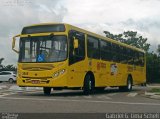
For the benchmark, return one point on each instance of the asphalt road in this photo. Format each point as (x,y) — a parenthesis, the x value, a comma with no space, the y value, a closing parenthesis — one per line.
(32,100)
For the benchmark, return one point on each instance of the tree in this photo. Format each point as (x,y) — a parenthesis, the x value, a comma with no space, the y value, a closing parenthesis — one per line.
(9,68)
(158,50)
(130,38)
(6,68)
(153,68)
(1,66)
(1,59)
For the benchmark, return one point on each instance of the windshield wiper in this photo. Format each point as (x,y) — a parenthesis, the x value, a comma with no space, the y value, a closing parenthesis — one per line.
(51,35)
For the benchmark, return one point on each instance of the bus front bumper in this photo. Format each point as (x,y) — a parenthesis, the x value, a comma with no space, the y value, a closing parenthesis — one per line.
(42,82)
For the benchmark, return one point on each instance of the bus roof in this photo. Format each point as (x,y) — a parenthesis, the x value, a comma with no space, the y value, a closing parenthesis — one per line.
(93,34)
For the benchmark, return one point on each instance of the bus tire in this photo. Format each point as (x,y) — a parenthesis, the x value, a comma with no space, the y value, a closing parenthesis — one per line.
(57,88)
(128,87)
(88,85)
(143,84)
(47,90)
(129,84)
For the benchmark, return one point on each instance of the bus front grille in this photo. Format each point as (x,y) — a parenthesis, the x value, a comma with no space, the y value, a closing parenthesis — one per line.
(37,67)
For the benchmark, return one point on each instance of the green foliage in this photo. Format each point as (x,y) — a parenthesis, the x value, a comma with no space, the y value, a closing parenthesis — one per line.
(9,68)
(1,59)
(153,68)
(130,38)
(158,50)
(1,66)
(155,90)
(6,68)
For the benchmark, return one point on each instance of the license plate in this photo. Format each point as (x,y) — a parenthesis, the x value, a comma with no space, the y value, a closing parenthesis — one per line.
(35,81)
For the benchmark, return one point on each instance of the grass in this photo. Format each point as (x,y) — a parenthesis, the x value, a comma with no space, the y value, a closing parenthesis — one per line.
(155,90)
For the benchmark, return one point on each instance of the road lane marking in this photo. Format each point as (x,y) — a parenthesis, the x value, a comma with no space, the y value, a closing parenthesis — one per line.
(74,97)
(83,101)
(3,86)
(6,94)
(132,94)
(103,97)
(87,97)
(112,94)
(108,98)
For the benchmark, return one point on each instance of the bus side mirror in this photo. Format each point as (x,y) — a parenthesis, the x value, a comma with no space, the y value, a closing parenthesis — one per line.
(13,43)
(75,43)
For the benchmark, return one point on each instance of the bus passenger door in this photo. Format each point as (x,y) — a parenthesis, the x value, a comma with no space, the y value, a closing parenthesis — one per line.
(76,58)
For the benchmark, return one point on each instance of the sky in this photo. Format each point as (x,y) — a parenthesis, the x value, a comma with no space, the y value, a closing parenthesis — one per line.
(115,16)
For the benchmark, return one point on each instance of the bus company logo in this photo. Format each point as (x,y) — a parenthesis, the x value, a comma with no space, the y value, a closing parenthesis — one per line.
(114,69)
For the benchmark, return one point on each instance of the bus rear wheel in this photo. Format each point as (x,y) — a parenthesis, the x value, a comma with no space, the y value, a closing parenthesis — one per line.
(129,84)
(128,87)
(88,87)
(47,90)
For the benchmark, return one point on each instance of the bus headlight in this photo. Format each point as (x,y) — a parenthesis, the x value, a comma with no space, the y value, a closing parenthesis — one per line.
(56,74)
(61,71)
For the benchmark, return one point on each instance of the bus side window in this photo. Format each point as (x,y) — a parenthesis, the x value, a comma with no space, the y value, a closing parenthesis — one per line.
(115,52)
(93,47)
(105,50)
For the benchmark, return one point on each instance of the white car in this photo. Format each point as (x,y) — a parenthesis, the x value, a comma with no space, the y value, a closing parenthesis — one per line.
(7,76)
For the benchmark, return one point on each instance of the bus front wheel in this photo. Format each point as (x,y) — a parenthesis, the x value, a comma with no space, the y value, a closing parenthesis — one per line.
(88,85)
(47,90)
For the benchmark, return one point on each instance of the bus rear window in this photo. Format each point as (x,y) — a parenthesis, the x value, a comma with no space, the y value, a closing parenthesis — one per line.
(43,29)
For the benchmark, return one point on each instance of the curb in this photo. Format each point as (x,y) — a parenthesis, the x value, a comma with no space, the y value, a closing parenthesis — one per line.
(155,97)
(152,95)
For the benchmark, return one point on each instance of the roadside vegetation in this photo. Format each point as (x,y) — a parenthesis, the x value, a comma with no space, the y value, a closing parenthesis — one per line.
(9,67)
(155,90)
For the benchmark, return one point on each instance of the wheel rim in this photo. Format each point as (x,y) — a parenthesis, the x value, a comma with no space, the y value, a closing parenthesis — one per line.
(90,85)
(10,80)
(129,84)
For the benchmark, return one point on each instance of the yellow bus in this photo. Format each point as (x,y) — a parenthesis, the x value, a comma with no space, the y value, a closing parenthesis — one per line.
(62,56)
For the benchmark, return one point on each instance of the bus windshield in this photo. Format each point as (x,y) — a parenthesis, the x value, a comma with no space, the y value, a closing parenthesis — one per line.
(43,49)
